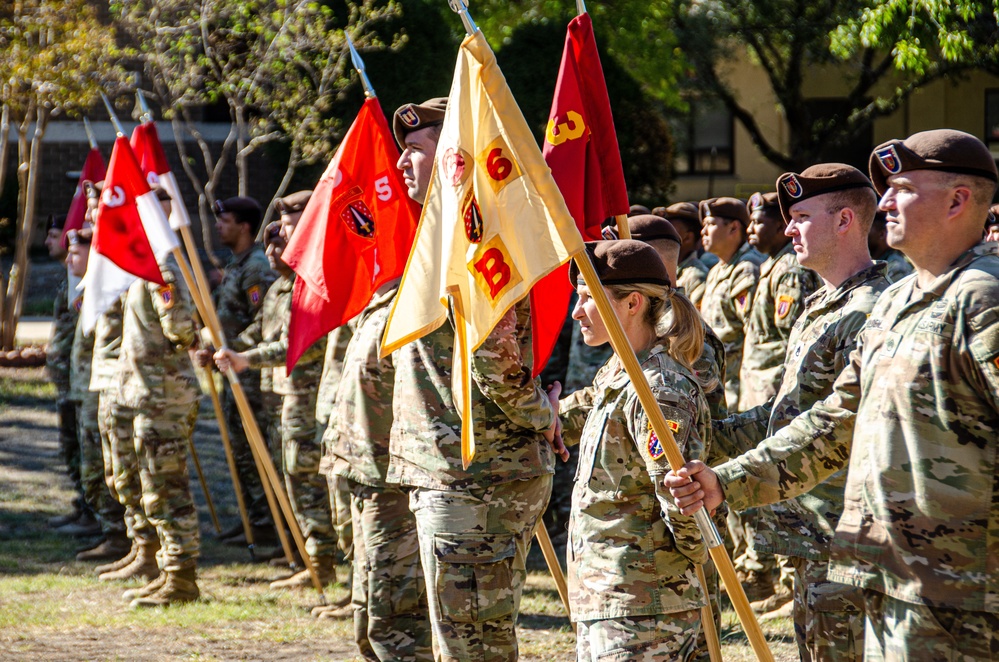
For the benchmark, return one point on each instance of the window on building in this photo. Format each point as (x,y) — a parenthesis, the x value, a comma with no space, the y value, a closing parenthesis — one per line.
(704,140)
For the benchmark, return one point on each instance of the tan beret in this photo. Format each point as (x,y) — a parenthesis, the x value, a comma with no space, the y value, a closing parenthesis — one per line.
(647,227)
(946,150)
(290,204)
(413,116)
(623,261)
(817,180)
(730,208)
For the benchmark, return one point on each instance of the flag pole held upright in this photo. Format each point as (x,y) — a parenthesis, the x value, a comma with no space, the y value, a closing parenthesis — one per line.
(625,353)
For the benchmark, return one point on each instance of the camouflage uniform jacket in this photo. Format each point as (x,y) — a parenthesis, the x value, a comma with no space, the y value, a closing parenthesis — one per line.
(728,294)
(819,348)
(691,276)
(240,295)
(359,429)
(921,511)
(58,353)
(510,411)
(81,359)
(157,330)
(898,266)
(630,551)
(107,347)
(265,343)
(337,342)
(780,297)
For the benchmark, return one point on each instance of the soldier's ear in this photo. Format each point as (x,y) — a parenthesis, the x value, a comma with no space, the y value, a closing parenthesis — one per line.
(845,219)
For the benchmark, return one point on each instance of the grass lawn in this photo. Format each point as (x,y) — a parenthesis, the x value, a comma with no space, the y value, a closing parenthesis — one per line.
(54,608)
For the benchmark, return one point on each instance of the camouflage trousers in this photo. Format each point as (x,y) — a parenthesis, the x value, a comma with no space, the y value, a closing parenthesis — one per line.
(249,478)
(473,546)
(93,473)
(343,524)
(162,433)
(900,631)
(121,466)
(743,527)
(660,638)
(828,617)
(307,489)
(389,592)
(69,444)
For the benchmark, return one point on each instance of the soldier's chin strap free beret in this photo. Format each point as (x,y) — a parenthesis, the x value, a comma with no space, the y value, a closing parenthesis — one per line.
(945,150)
(623,261)
(819,179)
(415,116)
(730,208)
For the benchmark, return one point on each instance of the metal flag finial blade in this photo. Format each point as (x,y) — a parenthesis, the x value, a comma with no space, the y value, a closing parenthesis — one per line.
(459,7)
(114,118)
(580,7)
(146,115)
(90,133)
(355,58)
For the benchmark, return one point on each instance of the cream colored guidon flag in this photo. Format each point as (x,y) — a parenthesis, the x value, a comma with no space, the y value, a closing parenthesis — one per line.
(494,223)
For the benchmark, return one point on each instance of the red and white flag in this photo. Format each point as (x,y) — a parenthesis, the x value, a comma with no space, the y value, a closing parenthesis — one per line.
(152,159)
(354,235)
(94,171)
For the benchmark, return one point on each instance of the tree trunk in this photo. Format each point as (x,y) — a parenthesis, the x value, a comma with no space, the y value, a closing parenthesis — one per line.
(242,133)
(289,172)
(4,145)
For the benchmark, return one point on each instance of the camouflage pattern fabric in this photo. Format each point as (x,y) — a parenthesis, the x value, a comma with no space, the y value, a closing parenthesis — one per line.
(473,549)
(728,294)
(389,593)
(266,343)
(509,410)
(336,348)
(110,514)
(828,617)
(59,350)
(156,378)
(238,297)
(660,638)
(919,400)
(898,266)
(631,552)
(692,275)
(900,630)
(126,486)
(779,300)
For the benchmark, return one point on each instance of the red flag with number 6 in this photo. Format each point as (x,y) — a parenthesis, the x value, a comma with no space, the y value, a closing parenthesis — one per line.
(354,235)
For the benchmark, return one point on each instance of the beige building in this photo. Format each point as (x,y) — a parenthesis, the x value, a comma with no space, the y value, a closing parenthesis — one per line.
(715,155)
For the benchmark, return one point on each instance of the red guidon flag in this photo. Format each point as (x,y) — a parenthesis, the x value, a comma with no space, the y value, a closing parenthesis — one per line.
(149,152)
(581,149)
(354,235)
(93,170)
(132,231)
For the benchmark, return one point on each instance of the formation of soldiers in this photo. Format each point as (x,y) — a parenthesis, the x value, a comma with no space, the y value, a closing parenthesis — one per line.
(775,332)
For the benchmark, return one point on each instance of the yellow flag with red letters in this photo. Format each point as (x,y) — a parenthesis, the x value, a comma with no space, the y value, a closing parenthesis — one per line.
(493,224)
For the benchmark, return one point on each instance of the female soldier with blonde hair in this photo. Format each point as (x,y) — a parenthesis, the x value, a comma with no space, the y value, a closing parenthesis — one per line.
(632,584)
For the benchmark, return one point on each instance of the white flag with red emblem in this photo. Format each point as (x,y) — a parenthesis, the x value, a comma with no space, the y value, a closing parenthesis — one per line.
(152,159)
(494,222)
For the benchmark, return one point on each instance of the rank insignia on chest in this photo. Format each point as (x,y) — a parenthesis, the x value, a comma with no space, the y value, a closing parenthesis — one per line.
(784,303)
(78,303)
(253,294)
(167,295)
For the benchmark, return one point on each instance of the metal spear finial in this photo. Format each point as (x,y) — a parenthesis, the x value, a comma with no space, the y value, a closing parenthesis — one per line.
(90,133)
(459,7)
(145,114)
(355,58)
(580,7)
(114,118)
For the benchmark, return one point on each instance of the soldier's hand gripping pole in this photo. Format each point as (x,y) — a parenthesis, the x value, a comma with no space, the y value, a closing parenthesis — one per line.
(713,541)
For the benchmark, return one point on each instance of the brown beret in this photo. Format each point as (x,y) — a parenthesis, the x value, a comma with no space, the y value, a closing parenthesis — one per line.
(57,221)
(81,237)
(647,227)
(766,202)
(730,208)
(817,180)
(162,194)
(683,211)
(946,150)
(636,210)
(622,261)
(993,217)
(93,189)
(290,204)
(272,233)
(414,116)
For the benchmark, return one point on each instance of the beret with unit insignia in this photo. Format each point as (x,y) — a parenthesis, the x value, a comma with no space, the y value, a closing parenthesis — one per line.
(414,116)
(945,150)
(817,180)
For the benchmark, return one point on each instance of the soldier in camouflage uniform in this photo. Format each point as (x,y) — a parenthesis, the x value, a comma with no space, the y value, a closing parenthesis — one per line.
(474,525)
(729,289)
(237,299)
(828,616)
(264,346)
(388,591)
(156,381)
(109,512)
(917,402)
(66,310)
(692,272)
(898,266)
(992,224)
(626,600)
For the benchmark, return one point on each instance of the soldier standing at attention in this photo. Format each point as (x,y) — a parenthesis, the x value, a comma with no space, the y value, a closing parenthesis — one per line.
(692,273)
(898,266)
(237,299)
(264,346)
(474,525)
(731,283)
(631,555)
(915,414)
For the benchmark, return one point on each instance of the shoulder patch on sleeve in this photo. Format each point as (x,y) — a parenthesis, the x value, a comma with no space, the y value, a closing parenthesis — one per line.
(254,295)
(784,304)
(167,295)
